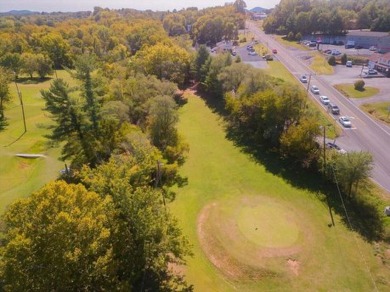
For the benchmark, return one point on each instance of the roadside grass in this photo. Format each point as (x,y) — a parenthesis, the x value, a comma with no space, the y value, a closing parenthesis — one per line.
(277,70)
(348,90)
(21,176)
(379,110)
(292,44)
(222,173)
(319,64)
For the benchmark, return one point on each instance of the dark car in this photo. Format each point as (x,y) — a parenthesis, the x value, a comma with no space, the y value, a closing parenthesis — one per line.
(336,147)
(334,109)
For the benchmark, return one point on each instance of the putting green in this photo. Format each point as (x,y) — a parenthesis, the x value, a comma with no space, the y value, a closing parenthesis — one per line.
(267,225)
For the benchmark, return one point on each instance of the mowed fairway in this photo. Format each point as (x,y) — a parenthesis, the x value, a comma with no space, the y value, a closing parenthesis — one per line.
(252,231)
(21,176)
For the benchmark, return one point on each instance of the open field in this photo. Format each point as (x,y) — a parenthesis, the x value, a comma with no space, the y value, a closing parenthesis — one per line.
(20,176)
(319,64)
(349,91)
(251,230)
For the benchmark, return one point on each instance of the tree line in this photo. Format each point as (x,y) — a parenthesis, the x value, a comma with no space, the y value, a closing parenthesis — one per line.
(297,18)
(270,114)
(105,223)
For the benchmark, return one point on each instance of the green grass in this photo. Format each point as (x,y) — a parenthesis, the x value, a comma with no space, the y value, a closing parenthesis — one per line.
(293,44)
(220,173)
(319,64)
(20,176)
(349,91)
(379,110)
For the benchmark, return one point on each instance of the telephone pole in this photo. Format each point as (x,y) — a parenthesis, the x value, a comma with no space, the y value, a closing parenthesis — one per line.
(21,103)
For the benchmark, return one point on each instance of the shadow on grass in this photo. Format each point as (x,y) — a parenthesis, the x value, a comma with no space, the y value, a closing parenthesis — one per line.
(33,80)
(361,216)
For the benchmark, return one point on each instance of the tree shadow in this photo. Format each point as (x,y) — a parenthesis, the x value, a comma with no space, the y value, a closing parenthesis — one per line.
(33,80)
(362,217)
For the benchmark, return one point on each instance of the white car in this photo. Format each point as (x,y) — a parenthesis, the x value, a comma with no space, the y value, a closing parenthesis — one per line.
(324,99)
(345,121)
(303,79)
(252,53)
(315,89)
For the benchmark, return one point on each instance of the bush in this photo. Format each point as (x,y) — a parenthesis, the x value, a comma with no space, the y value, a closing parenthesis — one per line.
(290,36)
(359,85)
(243,40)
(344,59)
(298,36)
(332,61)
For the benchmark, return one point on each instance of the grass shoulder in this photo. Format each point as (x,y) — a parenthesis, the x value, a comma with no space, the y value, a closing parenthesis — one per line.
(379,110)
(348,90)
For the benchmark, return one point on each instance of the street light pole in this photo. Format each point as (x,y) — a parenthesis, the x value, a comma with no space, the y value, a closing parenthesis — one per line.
(21,103)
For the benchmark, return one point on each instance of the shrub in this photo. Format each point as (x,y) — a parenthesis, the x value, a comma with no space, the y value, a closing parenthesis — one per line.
(298,36)
(290,36)
(344,59)
(332,61)
(359,85)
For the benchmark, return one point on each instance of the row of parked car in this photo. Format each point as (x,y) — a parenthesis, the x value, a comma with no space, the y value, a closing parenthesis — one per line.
(332,108)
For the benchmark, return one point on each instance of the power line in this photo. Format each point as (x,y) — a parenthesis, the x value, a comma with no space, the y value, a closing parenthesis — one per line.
(350,226)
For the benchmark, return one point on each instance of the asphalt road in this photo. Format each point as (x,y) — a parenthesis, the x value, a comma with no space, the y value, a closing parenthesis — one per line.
(365,134)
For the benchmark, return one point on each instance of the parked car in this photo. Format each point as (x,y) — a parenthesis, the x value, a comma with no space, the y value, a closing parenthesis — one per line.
(303,79)
(314,89)
(249,47)
(274,51)
(324,99)
(334,109)
(369,73)
(335,53)
(336,147)
(268,57)
(345,121)
(348,64)
(373,48)
(312,44)
(252,53)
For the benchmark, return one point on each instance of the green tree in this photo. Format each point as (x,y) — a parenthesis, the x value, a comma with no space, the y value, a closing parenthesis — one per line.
(5,96)
(352,168)
(359,85)
(71,125)
(344,59)
(29,64)
(44,65)
(59,239)
(201,58)
(148,240)
(168,62)
(163,118)
(299,141)
(54,45)
(12,61)
(239,6)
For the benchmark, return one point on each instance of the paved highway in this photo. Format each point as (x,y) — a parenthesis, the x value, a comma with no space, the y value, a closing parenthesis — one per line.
(365,134)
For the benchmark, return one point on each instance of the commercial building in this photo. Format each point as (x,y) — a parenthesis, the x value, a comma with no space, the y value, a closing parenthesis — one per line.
(366,39)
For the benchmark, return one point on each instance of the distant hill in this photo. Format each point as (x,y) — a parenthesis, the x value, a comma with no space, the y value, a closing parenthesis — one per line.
(258,10)
(19,12)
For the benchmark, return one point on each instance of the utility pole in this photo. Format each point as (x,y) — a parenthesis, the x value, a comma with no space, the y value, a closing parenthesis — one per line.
(158,178)
(21,103)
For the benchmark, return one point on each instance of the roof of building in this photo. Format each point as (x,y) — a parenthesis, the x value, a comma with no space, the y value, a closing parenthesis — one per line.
(376,57)
(367,33)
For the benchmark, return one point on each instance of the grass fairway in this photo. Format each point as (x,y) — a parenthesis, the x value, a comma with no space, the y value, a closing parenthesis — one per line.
(349,91)
(21,176)
(229,195)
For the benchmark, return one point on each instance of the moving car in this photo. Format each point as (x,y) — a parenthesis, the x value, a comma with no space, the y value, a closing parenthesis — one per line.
(324,99)
(348,64)
(315,89)
(303,79)
(274,51)
(334,109)
(345,121)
